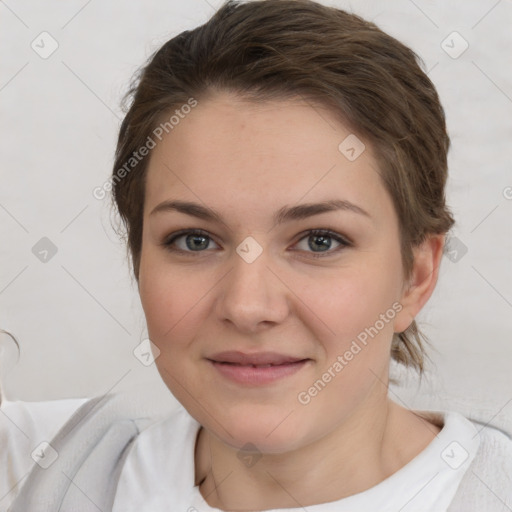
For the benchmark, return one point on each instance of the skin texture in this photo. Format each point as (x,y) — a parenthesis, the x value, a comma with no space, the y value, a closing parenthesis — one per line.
(247,161)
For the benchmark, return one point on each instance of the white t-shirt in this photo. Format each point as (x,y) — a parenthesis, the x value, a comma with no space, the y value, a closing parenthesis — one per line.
(23,427)
(158,474)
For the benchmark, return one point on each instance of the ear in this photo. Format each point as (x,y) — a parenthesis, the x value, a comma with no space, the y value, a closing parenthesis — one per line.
(417,291)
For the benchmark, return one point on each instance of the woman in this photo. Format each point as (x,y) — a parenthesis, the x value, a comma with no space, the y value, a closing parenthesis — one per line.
(280,173)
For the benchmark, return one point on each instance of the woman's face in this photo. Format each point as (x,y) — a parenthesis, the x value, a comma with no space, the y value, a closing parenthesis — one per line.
(254,283)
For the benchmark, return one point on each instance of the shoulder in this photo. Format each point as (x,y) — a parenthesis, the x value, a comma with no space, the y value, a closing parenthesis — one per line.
(23,427)
(91,444)
(175,431)
(45,415)
(487,482)
(34,420)
(495,447)
(159,467)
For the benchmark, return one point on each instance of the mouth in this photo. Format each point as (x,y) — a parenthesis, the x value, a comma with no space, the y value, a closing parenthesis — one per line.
(256,369)
(259,365)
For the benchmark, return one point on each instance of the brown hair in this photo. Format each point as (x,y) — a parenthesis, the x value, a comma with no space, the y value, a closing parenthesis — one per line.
(280,49)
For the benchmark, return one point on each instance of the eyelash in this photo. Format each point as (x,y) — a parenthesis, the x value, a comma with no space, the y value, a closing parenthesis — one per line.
(345,243)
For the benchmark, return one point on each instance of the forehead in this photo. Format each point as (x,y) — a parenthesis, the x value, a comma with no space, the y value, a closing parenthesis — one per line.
(228,152)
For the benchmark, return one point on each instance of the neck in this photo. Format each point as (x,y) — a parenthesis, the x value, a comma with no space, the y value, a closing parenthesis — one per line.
(371,445)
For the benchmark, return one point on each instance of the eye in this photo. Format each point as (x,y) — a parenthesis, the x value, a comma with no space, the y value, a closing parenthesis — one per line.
(197,240)
(322,239)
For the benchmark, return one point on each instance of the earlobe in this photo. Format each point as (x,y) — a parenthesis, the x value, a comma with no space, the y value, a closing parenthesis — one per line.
(427,259)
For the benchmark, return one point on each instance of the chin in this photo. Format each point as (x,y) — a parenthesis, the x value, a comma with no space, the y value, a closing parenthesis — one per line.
(268,432)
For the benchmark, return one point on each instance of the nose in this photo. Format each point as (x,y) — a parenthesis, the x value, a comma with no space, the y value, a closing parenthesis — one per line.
(253,296)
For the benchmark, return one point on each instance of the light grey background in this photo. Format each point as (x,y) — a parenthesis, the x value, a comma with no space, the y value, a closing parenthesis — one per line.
(78,316)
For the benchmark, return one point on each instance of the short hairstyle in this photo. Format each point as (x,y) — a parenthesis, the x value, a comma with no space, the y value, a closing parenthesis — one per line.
(283,49)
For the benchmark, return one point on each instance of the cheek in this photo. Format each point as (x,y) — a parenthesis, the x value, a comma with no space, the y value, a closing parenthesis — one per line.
(170,298)
(358,308)
(353,300)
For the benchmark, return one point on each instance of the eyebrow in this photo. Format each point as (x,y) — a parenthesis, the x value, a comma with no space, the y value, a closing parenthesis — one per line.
(284,214)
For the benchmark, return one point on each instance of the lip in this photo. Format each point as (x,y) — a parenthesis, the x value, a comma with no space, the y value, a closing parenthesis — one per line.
(256,358)
(239,367)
